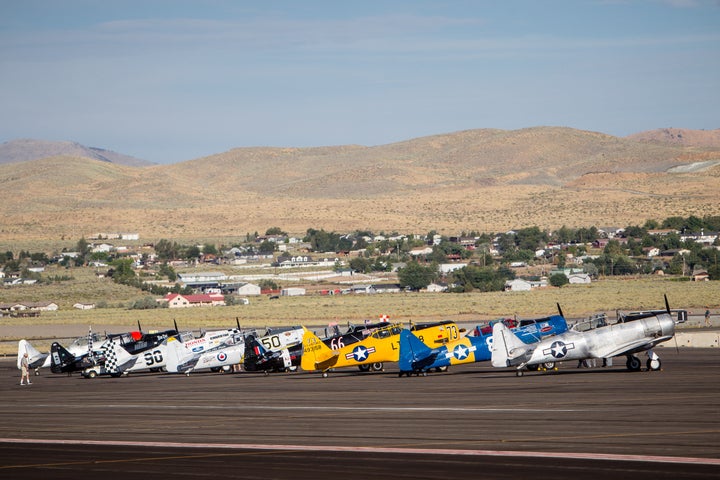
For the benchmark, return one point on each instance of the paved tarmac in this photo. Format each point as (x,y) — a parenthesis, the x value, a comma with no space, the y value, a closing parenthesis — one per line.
(473,421)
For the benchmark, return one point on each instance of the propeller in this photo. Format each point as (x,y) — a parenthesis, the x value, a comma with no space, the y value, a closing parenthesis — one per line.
(560,310)
(175,323)
(139,327)
(667,309)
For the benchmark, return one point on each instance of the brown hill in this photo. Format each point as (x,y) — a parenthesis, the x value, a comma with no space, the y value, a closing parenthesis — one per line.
(680,136)
(487,180)
(23,150)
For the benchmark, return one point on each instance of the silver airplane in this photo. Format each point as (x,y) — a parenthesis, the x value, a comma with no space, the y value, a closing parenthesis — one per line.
(595,339)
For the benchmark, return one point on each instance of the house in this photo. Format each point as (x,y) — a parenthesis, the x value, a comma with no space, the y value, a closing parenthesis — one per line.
(518,285)
(450,267)
(416,252)
(176,300)
(84,306)
(579,278)
(700,275)
(292,292)
(436,287)
(387,288)
(523,285)
(201,277)
(359,289)
(41,306)
(241,288)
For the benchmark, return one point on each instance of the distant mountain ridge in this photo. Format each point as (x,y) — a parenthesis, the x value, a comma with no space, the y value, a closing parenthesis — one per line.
(680,136)
(25,149)
(484,180)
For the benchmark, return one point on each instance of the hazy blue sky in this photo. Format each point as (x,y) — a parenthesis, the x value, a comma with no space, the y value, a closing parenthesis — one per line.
(172,80)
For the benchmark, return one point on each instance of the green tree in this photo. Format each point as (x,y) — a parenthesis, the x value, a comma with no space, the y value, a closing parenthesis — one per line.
(267,247)
(360,264)
(123,271)
(416,276)
(275,231)
(558,280)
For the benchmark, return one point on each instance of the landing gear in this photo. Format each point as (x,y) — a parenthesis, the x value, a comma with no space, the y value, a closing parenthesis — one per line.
(653,362)
(633,363)
(376,367)
(364,368)
(324,374)
(519,373)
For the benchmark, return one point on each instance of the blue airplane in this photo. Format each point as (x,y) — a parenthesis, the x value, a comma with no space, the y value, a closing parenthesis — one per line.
(418,358)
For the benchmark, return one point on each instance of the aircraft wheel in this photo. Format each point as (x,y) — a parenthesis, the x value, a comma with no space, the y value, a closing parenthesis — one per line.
(633,363)
(549,365)
(37,373)
(324,374)
(376,367)
(653,364)
(364,368)
(519,373)
(266,373)
(533,368)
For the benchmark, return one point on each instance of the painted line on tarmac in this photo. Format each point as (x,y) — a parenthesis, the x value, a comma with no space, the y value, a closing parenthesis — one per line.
(323,408)
(394,450)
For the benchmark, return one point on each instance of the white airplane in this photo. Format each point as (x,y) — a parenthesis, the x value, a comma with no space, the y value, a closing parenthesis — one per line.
(79,347)
(597,339)
(36,359)
(182,357)
(279,350)
(118,360)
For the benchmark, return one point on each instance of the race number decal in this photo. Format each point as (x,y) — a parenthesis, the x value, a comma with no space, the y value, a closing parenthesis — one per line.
(151,358)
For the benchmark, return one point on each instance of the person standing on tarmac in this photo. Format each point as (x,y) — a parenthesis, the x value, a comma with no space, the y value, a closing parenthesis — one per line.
(25,370)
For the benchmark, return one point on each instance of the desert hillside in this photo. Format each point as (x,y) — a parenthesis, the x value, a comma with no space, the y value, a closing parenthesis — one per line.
(680,136)
(486,180)
(25,149)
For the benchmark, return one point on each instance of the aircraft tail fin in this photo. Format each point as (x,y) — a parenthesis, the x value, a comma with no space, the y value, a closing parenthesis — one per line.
(315,352)
(59,358)
(412,351)
(117,359)
(507,348)
(175,358)
(35,358)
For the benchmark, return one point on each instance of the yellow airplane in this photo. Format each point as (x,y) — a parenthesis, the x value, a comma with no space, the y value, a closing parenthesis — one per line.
(383,345)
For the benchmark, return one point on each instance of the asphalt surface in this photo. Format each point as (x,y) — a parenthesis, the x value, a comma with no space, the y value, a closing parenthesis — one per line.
(473,421)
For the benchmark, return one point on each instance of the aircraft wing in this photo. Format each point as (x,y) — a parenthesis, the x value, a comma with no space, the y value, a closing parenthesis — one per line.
(633,347)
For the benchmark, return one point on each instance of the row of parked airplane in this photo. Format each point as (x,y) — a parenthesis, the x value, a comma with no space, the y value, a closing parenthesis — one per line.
(531,344)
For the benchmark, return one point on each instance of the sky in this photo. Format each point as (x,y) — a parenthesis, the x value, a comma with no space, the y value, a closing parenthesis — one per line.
(174,80)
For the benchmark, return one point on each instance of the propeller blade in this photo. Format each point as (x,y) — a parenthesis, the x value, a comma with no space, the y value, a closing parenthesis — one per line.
(667,305)
(175,323)
(139,327)
(560,310)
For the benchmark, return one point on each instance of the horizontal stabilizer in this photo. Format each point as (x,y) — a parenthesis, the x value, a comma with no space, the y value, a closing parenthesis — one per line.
(316,355)
(35,358)
(414,354)
(507,348)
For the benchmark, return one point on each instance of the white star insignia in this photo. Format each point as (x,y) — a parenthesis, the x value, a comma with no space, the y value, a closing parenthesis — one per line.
(461,352)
